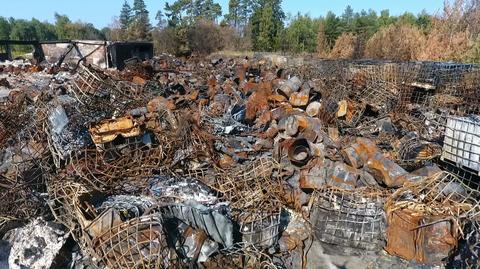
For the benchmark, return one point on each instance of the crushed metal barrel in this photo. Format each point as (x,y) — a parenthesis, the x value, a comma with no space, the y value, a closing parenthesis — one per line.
(217,162)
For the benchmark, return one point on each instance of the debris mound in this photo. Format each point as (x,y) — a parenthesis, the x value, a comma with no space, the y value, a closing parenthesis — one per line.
(268,162)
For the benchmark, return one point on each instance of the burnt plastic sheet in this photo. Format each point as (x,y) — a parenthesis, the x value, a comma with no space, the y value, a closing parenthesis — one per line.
(215,222)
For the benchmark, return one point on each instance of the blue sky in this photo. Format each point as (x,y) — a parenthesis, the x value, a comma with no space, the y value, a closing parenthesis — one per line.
(101,12)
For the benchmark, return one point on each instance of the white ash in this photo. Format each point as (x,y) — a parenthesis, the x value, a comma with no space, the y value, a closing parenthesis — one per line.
(35,245)
(183,190)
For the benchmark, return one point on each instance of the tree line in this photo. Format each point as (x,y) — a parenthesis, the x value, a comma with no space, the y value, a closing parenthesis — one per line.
(198,26)
(63,28)
(183,27)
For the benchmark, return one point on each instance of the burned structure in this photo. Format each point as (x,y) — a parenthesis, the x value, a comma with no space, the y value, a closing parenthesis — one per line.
(270,162)
(104,54)
(6,49)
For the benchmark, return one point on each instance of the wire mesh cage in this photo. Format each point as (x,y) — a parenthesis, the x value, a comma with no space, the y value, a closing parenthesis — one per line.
(62,198)
(261,229)
(120,231)
(242,257)
(15,116)
(22,180)
(98,94)
(21,159)
(413,153)
(332,78)
(250,186)
(137,243)
(441,194)
(20,203)
(468,177)
(107,170)
(454,78)
(429,216)
(380,87)
(87,80)
(354,219)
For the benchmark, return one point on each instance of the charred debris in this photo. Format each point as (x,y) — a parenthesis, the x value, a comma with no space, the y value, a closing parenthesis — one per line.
(269,162)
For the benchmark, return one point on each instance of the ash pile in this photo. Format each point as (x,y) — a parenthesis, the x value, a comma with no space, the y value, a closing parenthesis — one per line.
(269,162)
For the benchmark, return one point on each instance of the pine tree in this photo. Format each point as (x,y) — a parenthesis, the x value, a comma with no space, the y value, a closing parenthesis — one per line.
(209,10)
(139,8)
(267,25)
(125,16)
(347,19)
(140,26)
(332,28)
(160,17)
(239,12)
(233,13)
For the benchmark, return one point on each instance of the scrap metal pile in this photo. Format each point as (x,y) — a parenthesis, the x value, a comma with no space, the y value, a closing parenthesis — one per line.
(239,163)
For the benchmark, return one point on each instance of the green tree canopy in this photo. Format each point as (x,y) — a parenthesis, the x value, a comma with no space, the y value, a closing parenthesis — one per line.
(23,30)
(5,28)
(301,34)
(125,16)
(267,24)
(139,28)
(188,11)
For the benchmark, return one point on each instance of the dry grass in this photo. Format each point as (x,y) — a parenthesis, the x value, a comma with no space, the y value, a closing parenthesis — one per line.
(232,54)
(322,44)
(454,35)
(396,42)
(346,47)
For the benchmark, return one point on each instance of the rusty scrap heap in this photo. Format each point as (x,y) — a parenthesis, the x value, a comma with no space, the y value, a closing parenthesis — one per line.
(267,162)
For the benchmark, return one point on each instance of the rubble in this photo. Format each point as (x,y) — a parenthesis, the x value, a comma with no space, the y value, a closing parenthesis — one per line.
(240,163)
(36,245)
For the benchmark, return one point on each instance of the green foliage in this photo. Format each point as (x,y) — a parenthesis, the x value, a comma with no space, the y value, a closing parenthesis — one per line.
(139,27)
(36,30)
(332,28)
(239,12)
(65,29)
(174,12)
(192,25)
(233,15)
(301,35)
(61,24)
(139,7)
(385,19)
(473,56)
(23,30)
(44,30)
(125,16)
(424,21)
(160,17)
(348,19)
(207,10)
(204,37)
(408,18)
(366,24)
(257,24)
(5,28)
(267,24)
(188,11)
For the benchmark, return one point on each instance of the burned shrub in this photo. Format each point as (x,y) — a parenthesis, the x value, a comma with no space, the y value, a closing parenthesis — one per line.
(346,47)
(395,42)
(204,37)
